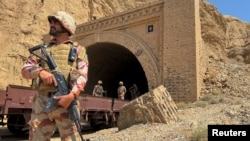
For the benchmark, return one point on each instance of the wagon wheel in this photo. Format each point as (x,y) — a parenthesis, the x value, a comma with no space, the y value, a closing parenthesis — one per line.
(98,124)
(114,118)
(16,124)
(113,124)
(94,124)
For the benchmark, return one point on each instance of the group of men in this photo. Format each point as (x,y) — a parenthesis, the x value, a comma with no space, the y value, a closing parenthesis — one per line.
(74,68)
(121,91)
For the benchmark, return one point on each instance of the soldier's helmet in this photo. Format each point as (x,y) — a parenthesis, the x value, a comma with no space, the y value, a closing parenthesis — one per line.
(121,83)
(99,82)
(66,20)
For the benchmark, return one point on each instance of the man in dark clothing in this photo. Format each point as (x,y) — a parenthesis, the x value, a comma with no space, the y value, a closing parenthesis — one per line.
(134,91)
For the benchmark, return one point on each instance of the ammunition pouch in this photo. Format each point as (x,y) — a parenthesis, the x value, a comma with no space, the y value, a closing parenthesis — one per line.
(37,84)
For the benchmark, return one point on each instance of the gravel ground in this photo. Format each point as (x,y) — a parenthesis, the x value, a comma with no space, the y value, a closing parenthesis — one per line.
(192,120)
(191,126)
(141,132)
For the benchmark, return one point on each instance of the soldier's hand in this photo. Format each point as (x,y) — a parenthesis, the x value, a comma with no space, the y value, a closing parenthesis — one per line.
(47,77)
(65,100)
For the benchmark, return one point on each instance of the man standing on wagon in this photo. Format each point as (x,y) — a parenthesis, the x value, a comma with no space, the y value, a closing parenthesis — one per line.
(98,89)
(121,91)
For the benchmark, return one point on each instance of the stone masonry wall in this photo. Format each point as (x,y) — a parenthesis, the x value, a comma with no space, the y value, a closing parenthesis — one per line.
(180,49)
(156,106)
(169,54)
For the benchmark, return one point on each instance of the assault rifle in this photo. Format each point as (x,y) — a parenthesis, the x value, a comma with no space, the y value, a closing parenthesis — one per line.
(62,86)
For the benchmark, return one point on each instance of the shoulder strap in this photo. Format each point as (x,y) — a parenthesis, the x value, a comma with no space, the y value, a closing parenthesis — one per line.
(72,53)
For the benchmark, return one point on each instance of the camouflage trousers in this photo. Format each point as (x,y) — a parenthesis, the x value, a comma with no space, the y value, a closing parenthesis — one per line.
(43,125)
(121,96)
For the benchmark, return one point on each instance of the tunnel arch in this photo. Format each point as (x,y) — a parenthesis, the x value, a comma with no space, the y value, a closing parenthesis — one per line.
(120,47)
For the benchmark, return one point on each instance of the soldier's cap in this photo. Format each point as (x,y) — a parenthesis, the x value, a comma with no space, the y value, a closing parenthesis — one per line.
(65,19)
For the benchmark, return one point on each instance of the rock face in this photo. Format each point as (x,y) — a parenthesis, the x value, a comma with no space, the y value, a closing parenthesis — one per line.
(156,106)
(227,45)
(23,24)
(225,39)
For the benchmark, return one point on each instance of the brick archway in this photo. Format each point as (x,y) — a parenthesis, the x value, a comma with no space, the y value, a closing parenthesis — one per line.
(134,44)
(166,48)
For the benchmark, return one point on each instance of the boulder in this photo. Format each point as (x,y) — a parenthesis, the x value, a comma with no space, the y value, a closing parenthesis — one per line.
(156,106)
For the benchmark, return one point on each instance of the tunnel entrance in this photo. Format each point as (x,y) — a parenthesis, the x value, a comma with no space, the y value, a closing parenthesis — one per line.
(112,63)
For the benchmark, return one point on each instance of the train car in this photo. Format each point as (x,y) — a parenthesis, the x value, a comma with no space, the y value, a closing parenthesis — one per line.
(16,103)
(17,108)
(2,102)
(100,112)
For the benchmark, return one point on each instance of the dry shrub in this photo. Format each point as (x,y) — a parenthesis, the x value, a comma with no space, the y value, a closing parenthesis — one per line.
(202,104)
(199,134)
(210,99)
(184,105)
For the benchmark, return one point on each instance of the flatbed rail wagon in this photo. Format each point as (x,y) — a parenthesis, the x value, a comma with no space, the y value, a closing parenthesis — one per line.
(16,102)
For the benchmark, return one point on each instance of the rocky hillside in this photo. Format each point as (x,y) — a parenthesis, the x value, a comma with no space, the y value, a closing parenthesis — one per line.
(227,80)
(226,38)
(24,22)
(228,46)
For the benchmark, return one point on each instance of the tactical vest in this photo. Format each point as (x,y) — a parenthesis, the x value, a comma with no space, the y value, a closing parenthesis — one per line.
(60,55)
(121,89)
(99,89)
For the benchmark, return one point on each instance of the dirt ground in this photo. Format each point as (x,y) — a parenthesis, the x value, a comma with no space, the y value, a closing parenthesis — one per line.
(193,118)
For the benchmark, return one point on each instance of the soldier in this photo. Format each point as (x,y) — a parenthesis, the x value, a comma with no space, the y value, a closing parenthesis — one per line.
(134,91)
(121,91)
(43,124)
(98,89)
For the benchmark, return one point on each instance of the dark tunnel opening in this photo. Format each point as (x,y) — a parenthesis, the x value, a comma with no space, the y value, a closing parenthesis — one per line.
(112,63)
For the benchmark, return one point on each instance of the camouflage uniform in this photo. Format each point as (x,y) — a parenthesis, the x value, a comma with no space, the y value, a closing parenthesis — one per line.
(98,90)
(43,124)
(121,91)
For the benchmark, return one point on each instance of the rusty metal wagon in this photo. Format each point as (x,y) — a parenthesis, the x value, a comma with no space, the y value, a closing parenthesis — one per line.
(16,102)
